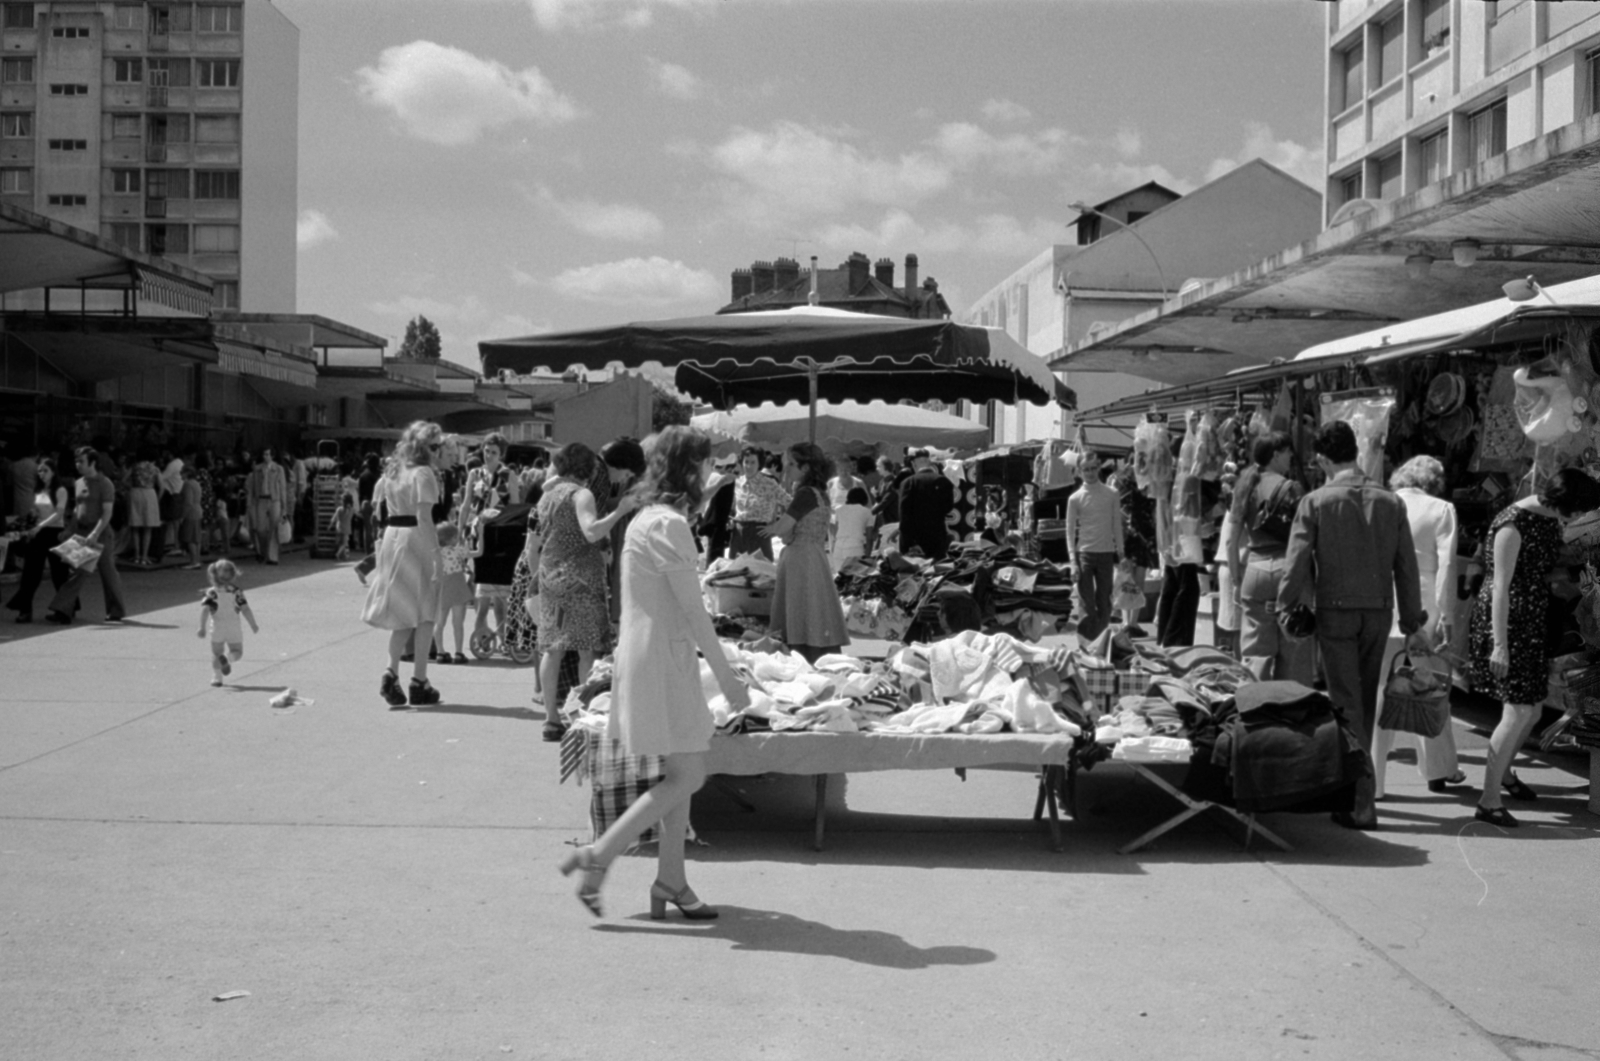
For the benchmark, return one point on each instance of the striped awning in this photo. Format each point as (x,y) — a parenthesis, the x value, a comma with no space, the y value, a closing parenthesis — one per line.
(263,365)
(173,291)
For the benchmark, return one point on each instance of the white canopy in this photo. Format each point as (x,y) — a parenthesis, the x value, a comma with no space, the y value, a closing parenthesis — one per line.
(843,422)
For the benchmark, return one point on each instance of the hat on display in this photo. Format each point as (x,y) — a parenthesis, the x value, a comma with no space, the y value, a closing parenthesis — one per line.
(1457,426)
(1446,394)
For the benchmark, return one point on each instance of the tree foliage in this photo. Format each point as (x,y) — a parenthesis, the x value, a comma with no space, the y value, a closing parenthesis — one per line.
(421,342)
(668,409)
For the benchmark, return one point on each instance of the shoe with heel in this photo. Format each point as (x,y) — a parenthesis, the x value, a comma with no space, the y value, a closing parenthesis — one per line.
(389,689)
(683,898)
(423,694)
(593,876)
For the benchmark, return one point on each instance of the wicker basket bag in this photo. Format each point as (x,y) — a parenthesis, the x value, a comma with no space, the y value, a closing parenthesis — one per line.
(1415,700)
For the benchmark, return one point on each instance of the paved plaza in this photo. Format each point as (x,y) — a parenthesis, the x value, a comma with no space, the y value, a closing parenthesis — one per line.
(383,885)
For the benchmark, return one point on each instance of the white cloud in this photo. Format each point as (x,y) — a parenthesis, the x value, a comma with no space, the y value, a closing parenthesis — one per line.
(1295,159)
(999,236)
(676,81)
(1004,110)
(314,228)
(1129,143)
(614,221)
(1119,177)
(448,96)
(793,170)
(1015,154)
(638,281)
(591,14)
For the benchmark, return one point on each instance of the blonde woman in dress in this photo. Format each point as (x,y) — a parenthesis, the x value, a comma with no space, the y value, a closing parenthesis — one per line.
(403,592)
(658,706)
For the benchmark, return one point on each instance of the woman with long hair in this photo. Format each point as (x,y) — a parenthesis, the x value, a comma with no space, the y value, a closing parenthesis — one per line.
(806,614)
(403,592)
(573,615)
(658,706)
(1510,659)
(1262,496)
(52,509)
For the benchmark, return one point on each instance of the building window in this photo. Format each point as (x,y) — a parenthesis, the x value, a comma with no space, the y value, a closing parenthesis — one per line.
(1434,27)
(170,18)
(167,239)
(17,125)
(123,233)
(225,294)
(69,145)
(216,184)
(217,73)
(1486,133)
(166,184)
(1391,49)
(127,71)
(1591,68)
(67,200)
(69,90)
(16,71)
(18,16)
(1354,80)
(216,239)
(1386,175)
(173,72)
(124,127)
(216,129)
(16,181)
(70,33)
(219,18)
(128,16)
(125,181)
(1433,159)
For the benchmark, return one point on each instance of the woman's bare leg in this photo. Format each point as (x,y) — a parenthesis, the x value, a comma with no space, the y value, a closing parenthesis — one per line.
(681,777)
(1516,720)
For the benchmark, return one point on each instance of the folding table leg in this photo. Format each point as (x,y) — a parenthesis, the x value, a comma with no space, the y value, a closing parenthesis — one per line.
(822,810)
(1048,785)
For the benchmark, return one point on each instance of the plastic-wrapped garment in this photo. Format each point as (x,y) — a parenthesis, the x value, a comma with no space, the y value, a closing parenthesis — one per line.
(1369,417)
(1210,458)
(1152,455)
(1545,405)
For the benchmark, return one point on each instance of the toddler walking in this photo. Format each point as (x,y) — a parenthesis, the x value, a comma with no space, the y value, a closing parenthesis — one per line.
(341,523)
(454,593)
(220,609)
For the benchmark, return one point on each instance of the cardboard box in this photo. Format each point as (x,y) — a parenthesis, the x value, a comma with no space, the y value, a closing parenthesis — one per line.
(736,600)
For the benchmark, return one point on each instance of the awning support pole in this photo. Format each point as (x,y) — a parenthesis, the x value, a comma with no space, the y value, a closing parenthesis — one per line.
(811,410)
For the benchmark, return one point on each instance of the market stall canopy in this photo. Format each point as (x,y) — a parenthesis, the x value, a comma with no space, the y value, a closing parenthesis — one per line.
(1526,211)
(749,358)
(896,425)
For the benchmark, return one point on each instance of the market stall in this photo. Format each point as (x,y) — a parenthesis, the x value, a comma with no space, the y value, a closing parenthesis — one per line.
(836,423)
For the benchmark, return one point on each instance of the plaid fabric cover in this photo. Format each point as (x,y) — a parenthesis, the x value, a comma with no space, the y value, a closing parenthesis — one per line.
(1100,684)
(616,780)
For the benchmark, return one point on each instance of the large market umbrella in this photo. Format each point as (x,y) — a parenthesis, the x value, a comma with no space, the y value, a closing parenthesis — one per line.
(802,354)
(897,425)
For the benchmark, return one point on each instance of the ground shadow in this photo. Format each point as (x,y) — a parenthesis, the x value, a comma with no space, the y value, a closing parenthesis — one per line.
(486,710)
(751,929)
(280,687)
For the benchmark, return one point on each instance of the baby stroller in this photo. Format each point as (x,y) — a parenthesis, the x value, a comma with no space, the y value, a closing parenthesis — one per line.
(503,537)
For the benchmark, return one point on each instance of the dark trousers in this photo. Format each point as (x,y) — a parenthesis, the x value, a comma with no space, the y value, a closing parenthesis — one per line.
(1179,605)
(66,599)
(34,558)
(1352,642)
(1096,576)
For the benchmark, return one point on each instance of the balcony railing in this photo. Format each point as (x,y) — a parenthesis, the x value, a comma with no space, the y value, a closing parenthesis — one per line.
(157,42)
(155,208)
(156,96)
(155,152)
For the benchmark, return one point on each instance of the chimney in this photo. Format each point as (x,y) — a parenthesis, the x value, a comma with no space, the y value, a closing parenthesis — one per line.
(883,269)
(762,275)
(787,272)
(858,266)
(911,277)
(743,283)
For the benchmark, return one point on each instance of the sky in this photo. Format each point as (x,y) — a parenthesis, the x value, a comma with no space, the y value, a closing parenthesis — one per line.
(508,167)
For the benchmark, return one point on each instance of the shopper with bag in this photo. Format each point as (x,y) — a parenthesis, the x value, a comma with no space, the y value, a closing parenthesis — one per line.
(1351,545)
(1510,659)
(1418,483)
(1264,504)
(1094,545)
(52,509)
(96,498)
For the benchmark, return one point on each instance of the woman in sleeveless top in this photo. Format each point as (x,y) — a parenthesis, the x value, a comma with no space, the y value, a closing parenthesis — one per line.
(806,614)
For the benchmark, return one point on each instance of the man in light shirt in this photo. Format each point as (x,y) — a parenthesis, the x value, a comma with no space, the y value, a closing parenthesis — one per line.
(1094,543)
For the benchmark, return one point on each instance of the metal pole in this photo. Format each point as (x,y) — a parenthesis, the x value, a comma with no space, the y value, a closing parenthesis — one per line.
(811,412)
(1082,209)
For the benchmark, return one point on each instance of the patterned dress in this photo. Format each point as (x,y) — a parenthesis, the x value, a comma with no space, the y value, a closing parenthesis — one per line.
(572,577)
(1527,680)
(805,604)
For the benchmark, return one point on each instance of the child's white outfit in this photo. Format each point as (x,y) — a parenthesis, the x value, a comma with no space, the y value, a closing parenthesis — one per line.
(851,524)
(224,606)
(454,561)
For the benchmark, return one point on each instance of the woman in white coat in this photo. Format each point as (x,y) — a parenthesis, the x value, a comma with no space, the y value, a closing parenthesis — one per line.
(658,705)
(1418,483)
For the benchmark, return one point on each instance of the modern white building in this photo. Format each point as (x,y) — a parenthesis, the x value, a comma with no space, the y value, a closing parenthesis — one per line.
(169,127)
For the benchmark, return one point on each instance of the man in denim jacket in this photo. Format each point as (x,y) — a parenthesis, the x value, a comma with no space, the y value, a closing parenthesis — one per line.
(1351,545)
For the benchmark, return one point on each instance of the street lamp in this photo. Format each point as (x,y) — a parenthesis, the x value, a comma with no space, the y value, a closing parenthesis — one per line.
(1083,208)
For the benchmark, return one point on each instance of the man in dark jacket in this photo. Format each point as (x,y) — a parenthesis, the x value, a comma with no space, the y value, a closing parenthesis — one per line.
(926,498)
(1351,545)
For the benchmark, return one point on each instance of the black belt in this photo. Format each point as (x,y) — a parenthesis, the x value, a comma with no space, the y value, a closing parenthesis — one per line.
(402,521)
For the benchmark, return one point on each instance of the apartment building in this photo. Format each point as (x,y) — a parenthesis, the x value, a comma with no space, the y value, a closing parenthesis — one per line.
(170,127)
(1419,90)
